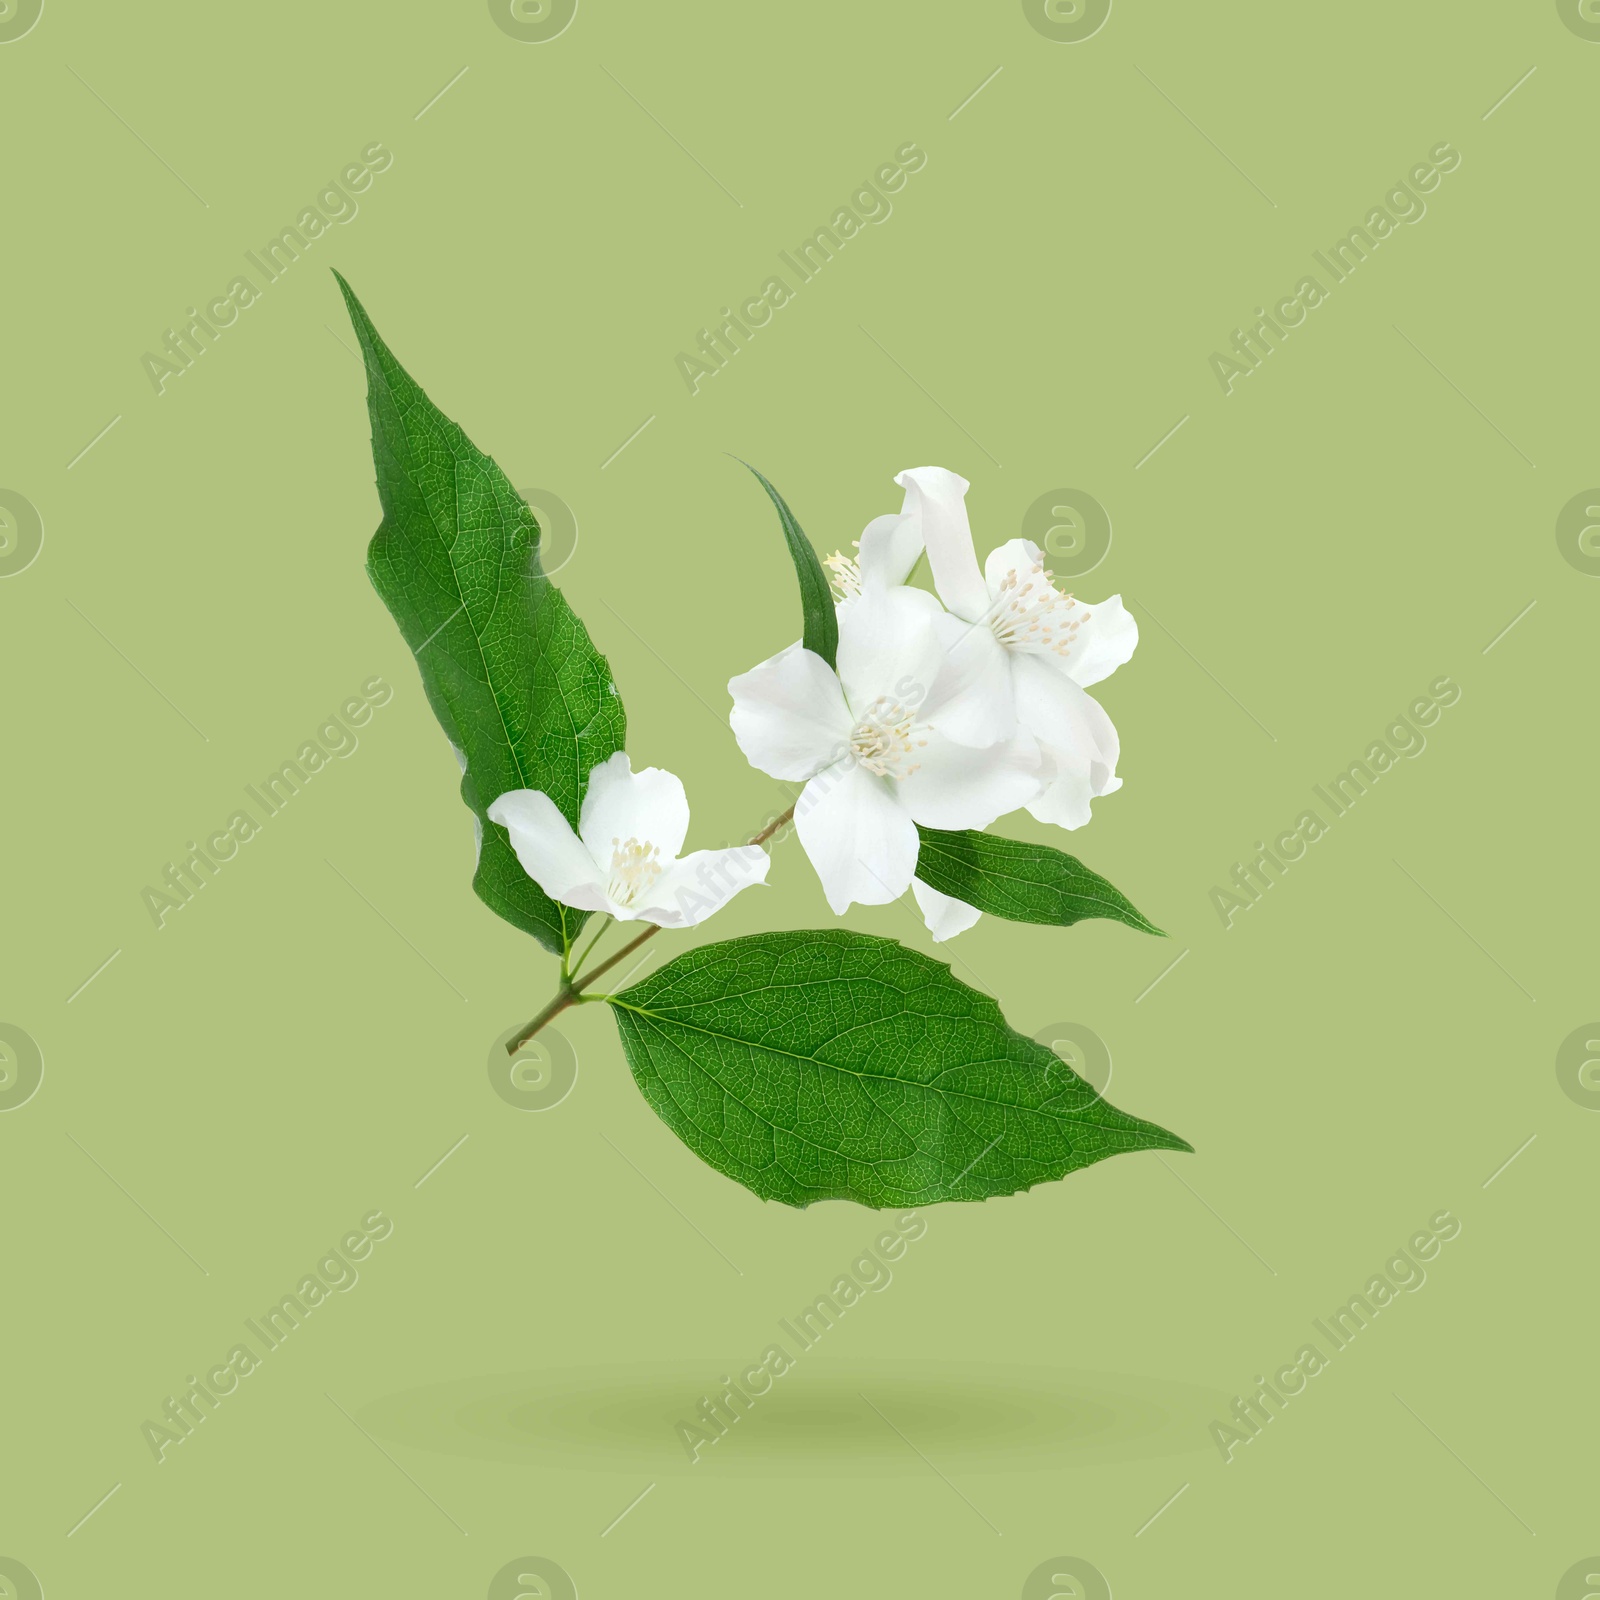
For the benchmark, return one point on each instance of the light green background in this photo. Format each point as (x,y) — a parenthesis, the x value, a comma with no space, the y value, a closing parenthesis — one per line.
(305,1041)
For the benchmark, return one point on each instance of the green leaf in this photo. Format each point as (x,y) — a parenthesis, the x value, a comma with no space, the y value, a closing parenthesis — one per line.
(1021,882)
(838,1066)
(821,635)
(510,672)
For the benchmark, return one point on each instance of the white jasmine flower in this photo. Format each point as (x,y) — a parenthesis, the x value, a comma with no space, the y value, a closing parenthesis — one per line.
(1020,653)
(1024,651)
(624,856)
(870,741)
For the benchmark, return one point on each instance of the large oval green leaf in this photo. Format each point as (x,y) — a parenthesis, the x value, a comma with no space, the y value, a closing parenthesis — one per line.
(838,1066)
(511,674)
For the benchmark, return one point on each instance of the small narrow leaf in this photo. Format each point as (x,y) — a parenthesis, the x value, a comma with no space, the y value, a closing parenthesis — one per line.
(517,686)
(821,635)
(839,1066)
(1021,882)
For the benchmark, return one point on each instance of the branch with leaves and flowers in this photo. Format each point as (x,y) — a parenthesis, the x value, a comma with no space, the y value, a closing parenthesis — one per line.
(806,1065)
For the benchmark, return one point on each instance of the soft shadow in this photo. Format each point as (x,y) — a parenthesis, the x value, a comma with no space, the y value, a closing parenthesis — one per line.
(820,1418)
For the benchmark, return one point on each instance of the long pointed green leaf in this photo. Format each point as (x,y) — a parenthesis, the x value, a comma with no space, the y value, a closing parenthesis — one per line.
(1021,882)
(839,1066)
(511,674)
(821,631)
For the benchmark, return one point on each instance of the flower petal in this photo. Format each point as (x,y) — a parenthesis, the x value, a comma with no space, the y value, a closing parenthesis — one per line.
(972,703)
(859,837)
(936,497)
(789,714)
(888,549)
(944,914)
(703,882)
(550,852)
(888,646)
(1080,744)
(621,804)
(1020,556)
(1105,640)
(956,787)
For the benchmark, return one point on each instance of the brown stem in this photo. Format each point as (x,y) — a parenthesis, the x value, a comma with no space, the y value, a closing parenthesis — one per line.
(773,826)
(563,998)
(568,995)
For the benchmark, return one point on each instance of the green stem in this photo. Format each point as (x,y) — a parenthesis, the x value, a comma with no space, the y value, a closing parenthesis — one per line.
(571,991)
(577,966)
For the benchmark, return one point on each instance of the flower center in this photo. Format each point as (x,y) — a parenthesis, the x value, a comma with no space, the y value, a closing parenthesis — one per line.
(884,737)
(635,865)
(844,575)
(1032,613)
